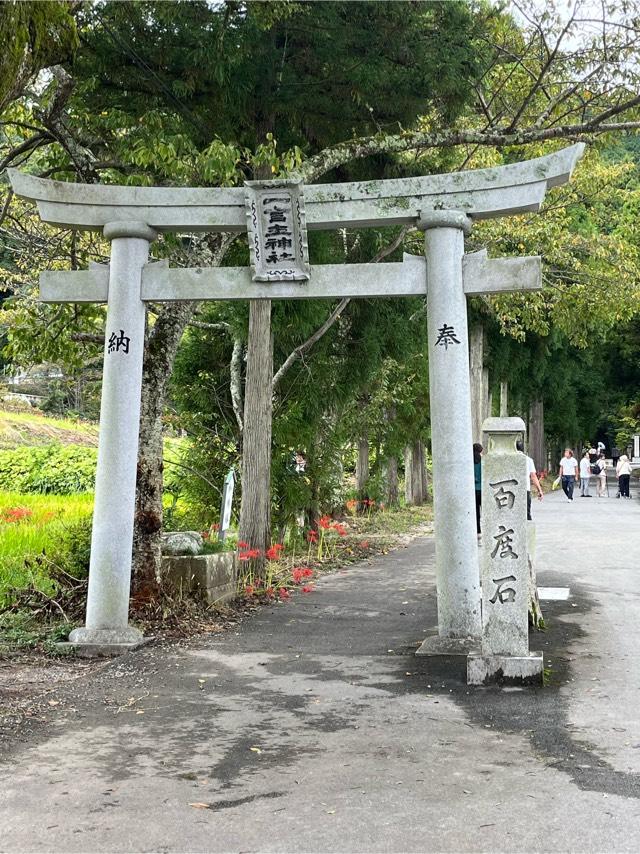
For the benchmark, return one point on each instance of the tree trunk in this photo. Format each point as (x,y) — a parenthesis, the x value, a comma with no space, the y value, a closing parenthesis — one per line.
(504,399)
(255,511)
(362,467)
(392,482)
(414,486)
(424,480)
(537,448)
(478,380)
(161,347)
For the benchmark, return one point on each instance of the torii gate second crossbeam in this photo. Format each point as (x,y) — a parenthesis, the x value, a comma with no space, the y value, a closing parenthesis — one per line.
(444,206)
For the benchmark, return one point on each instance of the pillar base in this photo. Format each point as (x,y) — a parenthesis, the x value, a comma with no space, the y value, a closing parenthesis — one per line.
(99,643)
(505,669)
(437,645)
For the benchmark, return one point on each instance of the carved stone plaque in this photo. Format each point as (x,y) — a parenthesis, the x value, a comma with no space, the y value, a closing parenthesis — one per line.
(277,231)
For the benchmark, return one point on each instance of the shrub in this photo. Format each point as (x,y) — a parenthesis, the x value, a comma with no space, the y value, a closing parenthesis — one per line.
(74,548)
(59,469)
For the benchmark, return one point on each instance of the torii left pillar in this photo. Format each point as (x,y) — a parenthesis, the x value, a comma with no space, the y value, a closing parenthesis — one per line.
(107,630)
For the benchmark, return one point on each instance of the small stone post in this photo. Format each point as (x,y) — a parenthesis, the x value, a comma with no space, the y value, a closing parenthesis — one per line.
(107,629)
(457,573)
(505,652)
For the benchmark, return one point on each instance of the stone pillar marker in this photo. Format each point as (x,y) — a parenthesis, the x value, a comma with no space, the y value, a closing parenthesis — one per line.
(107,629)
(451,435)
(504,651)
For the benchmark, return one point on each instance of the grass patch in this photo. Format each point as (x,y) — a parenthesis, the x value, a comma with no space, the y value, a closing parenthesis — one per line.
(32,525)
(396,521)
(31,428)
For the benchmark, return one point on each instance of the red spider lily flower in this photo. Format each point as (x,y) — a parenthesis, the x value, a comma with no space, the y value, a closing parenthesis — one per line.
(312,536)
(284,593)
(307,572)
(249,590)
(297,575)
(274,552)
(351,504)
(15,514)
(244,556)
(325,522)
(308,588)
(340,530)
(216,527)
(242,544)
(205,534)
(269,592)
(364,544)
(253,553)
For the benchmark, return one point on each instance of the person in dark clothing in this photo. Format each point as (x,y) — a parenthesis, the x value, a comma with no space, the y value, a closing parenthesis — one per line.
(477,474)
(615,456)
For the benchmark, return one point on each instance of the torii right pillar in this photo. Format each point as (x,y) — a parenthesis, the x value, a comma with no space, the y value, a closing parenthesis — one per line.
(451,276)
(457,571)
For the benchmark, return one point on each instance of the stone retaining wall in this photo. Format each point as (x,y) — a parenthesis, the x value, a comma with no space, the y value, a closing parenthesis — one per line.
(211,578)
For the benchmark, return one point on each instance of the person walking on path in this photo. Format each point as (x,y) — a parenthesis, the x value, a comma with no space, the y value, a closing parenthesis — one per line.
(601,476)
(585,475)
(477,474)
(623,473)
(568,473)
(615,455)
(532,477)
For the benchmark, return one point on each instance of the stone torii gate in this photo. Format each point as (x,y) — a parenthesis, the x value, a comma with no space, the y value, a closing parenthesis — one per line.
(273,213)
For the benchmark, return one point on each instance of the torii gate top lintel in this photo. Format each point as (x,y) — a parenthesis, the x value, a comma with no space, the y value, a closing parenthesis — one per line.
(480,193)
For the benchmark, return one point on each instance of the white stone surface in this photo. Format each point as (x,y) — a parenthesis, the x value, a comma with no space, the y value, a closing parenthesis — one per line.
(161,283)
(483,275)
(112,535)
(504,564)
(482,193)
(554,594)
(457,572)
(181,542)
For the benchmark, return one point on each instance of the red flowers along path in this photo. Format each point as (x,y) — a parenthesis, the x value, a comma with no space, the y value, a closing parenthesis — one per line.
(276,579)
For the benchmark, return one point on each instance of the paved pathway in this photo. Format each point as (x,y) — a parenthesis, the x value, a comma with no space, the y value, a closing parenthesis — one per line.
(314,728)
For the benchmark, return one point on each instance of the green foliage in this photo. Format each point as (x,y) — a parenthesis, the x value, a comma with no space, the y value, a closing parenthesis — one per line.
(73,550)
(33,36)
(59,469)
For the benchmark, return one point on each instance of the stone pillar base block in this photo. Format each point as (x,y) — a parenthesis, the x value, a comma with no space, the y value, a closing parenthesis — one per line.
(505,669)
(437,645)
(98,643)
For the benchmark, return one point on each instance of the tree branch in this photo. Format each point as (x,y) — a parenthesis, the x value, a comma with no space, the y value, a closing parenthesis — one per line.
(200,324)
(236,382)
(335,314)
(382,143)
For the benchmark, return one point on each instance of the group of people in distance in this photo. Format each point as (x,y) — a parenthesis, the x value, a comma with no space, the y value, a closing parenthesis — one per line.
(593,464)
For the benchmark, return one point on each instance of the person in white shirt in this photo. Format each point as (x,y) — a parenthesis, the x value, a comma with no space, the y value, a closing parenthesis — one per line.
(532,477)
(623,473)
(585,475)
(568,473)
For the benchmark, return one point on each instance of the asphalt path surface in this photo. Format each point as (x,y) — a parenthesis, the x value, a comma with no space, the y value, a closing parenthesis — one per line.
(312,726)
